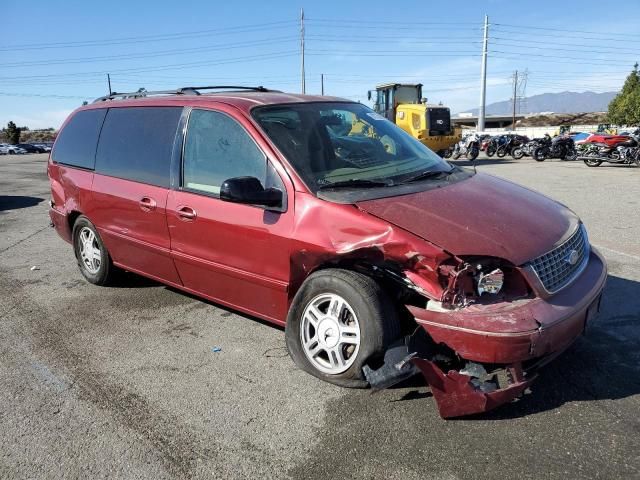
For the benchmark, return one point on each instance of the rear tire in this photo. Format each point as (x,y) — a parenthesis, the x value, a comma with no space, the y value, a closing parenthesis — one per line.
(315,333)
(592,163)
(539,155)
(93,258)
(501,152)
(570,155)
(517,153)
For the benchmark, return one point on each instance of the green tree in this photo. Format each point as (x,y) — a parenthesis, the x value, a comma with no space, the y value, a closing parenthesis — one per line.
(12,133)
(624,109)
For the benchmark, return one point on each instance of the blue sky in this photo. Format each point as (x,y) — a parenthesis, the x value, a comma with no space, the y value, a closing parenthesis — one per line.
(54,55)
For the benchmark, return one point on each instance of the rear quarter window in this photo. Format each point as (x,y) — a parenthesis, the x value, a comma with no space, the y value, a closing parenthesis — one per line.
(136,144)
(76,143)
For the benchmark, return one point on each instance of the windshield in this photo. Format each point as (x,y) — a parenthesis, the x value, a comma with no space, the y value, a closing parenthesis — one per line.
(346,145)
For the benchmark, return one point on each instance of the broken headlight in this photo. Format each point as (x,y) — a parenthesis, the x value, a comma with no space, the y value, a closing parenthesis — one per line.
(490,282)
(480,279)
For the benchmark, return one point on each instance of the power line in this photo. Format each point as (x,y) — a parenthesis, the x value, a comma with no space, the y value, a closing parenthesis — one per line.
(402,40)
(395,53)
(394,27)
(565,37)
(564,30)
(267,56)
(581,62)
(554,49)
(580,43)
(182,51)
(390,22)
(11,94)
(150,38)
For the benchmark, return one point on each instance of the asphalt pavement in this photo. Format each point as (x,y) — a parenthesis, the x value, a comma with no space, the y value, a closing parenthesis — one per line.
(142,381)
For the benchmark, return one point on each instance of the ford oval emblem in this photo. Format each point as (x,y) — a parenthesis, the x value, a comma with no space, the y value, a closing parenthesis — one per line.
(572,257)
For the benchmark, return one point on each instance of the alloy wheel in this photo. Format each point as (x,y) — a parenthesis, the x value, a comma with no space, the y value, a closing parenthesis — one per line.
(330,334)
(90,253)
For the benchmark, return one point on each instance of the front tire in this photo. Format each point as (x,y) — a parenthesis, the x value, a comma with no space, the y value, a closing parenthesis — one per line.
(473,153)
(338,322)
(490,152)
(93,258)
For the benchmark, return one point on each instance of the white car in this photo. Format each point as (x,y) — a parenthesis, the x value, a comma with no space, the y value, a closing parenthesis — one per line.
(5,148)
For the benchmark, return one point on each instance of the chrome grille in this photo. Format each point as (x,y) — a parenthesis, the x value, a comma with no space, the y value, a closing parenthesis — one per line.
(554,269)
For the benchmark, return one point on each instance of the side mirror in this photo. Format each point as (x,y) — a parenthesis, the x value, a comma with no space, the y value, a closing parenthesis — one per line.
(250,191)
(369,95)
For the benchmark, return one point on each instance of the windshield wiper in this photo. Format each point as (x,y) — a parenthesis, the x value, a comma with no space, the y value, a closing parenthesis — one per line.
(356,183)
(437,174)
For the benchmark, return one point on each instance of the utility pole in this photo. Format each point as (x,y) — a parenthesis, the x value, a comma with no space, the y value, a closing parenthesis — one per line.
(109,83)
(483,76)
(322,84)
(515,99)
(302,49)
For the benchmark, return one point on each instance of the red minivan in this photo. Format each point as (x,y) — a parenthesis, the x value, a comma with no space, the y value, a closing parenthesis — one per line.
(381,259)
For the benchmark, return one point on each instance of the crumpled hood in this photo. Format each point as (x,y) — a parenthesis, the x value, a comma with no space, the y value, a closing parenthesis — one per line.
(483,215)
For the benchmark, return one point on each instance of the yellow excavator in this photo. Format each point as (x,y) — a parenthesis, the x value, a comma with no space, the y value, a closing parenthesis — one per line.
(402,103)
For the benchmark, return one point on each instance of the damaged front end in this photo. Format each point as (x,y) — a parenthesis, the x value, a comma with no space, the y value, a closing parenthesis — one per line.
(480,321)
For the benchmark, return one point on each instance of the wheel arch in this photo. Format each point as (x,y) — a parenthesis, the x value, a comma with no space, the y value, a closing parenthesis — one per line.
(72,216)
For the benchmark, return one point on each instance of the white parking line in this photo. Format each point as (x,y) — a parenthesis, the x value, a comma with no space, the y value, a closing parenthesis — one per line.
(600,247)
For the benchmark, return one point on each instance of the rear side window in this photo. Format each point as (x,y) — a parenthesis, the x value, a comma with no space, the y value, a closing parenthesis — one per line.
(76,143)
(136,144)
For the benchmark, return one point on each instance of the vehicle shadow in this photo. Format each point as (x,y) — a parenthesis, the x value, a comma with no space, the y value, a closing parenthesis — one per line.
(616,165)
(126,279)
(604,364)
(15,202)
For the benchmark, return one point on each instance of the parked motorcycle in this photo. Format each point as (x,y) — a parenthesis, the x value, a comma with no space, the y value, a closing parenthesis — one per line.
(561,147)
(611,148)
(512,146)
(468,146)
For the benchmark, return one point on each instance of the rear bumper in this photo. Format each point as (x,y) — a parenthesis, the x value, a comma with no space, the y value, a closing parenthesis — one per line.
(60,222)
(490,334)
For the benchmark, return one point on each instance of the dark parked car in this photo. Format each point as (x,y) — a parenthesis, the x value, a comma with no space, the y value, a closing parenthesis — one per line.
(30,148)
(381,259)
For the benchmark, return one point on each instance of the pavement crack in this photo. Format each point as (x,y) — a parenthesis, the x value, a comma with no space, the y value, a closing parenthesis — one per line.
(24,239)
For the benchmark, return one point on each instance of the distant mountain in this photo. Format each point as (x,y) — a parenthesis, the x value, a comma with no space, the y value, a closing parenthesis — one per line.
(564,102)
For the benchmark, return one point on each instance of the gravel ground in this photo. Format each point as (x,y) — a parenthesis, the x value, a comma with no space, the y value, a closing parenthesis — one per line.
(125,383)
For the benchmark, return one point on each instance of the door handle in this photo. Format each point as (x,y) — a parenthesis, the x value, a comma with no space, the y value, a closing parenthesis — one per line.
(147,204)
(186,213)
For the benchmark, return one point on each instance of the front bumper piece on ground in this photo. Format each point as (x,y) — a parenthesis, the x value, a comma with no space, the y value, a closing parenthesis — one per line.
(456,395)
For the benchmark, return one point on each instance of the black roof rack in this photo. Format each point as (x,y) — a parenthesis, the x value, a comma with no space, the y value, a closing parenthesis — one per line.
(180,91)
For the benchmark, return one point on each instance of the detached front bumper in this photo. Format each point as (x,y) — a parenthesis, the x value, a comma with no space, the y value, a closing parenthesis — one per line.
(532,331)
